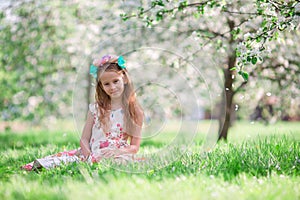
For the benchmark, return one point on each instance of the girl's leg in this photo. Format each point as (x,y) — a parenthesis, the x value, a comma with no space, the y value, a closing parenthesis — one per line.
(54,160)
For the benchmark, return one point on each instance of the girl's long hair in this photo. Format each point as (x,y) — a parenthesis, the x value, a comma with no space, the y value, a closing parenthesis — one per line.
(133,114)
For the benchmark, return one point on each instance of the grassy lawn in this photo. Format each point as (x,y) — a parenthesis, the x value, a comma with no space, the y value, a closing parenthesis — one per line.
(258,162)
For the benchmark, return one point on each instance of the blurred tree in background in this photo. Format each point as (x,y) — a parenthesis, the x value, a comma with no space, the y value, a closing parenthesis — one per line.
(44,45)
(35,63)
(239,32)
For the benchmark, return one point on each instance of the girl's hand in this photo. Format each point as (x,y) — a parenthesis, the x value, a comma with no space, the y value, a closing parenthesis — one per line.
(107,153)
(84,158)
(95,158)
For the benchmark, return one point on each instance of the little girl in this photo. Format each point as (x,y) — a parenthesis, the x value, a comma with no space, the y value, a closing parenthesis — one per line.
(114,121)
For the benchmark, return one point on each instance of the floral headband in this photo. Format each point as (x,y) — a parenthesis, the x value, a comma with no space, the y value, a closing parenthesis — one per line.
(94,69)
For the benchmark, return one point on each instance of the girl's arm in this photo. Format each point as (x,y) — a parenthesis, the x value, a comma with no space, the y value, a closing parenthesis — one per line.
(86,135)
(135,136)
(134,146)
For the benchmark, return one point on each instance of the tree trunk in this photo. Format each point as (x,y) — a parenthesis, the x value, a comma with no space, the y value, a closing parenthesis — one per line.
(228,93)
(227,101)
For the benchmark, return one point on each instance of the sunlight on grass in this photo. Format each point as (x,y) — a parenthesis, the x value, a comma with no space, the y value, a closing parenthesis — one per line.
(246,130)
(135,187)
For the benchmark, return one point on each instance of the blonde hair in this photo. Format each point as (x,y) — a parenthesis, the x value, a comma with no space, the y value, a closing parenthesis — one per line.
(133,114)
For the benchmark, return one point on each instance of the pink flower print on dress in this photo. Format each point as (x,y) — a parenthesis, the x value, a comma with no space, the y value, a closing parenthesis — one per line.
(93,159)
(104,144)
(28,167)
(118,125)
(118,145)
(72,152)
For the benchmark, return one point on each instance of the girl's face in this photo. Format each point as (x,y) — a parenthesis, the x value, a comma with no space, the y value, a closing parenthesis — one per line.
(113,84)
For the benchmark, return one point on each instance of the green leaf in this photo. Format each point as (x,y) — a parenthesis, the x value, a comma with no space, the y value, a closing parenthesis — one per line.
(153,3)
(211,3)
(245,75)
(248,58)
(200,9)
(182,5)
(254,60)
(2,15)
(159,15)
(258,39)
(160,3)
(232,69)
(274,19)
(124,16)
(276,34)
(260,11)
(264,22)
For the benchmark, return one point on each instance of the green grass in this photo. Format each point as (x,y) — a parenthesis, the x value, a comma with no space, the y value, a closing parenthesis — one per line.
(258,162)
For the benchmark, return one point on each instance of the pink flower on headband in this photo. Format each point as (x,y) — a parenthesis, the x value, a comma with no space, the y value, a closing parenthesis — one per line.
(105,59)
(102,61)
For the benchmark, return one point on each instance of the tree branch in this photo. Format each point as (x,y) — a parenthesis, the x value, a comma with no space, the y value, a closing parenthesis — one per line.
(243,84)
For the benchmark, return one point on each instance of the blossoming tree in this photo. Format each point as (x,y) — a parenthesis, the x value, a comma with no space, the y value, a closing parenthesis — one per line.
(242,31)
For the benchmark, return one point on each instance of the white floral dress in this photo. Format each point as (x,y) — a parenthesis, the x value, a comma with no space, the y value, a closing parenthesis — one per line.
(114,139)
